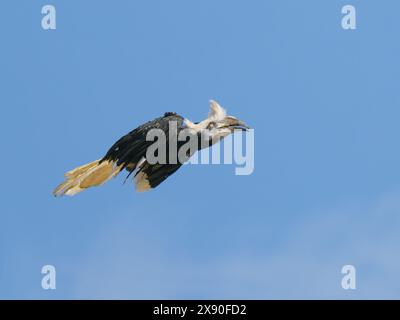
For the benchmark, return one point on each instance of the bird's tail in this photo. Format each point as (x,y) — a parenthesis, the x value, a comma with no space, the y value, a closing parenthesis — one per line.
(89,175)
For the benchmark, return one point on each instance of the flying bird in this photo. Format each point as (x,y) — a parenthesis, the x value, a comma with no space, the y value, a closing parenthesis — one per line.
(129,152)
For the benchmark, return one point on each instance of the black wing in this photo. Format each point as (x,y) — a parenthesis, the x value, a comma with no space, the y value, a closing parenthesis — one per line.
(150,176)
(130,150)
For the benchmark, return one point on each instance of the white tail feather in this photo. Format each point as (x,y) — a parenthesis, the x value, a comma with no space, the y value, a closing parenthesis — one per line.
(86,176)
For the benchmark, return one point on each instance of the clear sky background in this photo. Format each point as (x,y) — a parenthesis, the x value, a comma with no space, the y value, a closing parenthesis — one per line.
(325,106)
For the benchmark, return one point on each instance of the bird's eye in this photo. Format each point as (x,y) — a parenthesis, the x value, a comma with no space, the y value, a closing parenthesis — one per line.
(211,125)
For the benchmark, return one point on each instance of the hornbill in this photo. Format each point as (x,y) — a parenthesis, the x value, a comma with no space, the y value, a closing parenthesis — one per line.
(129,152)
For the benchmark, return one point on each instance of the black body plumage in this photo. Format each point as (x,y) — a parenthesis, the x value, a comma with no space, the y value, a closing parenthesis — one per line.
(131,148)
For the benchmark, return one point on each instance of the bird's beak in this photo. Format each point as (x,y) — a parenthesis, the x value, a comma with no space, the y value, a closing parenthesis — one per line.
(236,124)
(240,125)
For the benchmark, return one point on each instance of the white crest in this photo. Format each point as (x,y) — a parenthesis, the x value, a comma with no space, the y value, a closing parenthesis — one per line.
(216,111)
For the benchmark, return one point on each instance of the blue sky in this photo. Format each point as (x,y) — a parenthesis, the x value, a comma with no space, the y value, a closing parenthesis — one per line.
(324,103)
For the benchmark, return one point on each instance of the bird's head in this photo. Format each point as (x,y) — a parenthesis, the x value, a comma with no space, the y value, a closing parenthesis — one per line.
(218,124)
